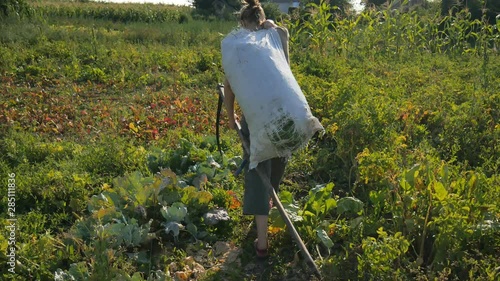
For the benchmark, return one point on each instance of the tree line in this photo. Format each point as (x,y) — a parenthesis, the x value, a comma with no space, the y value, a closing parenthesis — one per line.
(479,9)
(488,10)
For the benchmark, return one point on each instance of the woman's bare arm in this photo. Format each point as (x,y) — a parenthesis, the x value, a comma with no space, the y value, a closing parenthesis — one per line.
(284,36)
(229,104)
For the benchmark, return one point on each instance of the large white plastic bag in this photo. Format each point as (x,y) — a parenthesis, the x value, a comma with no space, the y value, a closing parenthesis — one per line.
(278,116)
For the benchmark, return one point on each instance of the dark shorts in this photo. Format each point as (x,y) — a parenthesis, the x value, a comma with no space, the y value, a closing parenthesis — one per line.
(256,196)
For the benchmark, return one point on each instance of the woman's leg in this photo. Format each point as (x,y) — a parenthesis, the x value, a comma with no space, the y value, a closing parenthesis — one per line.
(261,223)
(256,195)
(256,202)
(277,171)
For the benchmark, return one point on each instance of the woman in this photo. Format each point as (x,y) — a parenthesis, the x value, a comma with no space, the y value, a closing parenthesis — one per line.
(256,199)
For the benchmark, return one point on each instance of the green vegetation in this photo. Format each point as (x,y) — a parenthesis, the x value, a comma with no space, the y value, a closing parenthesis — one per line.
(478,8)
(147,13)
(10,7)
(107,123)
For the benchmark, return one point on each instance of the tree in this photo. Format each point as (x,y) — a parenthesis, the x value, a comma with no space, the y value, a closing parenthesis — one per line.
(219,8)
(477,8)
(376,3)
(453,6)
(395,3)
(12,6)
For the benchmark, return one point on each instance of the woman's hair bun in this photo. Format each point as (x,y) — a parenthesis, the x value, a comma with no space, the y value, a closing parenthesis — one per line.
(252,13)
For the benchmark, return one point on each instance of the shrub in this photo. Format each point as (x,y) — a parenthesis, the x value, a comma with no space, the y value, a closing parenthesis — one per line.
(272,11)
(92,74)
(183,18)
(17,7)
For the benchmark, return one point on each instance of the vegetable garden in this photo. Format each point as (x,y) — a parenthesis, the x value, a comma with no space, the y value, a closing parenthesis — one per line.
(108,125)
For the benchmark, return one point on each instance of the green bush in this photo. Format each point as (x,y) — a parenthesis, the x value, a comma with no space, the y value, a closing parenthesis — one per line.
(272,11)
(93,74)
(183,18)
(16,7)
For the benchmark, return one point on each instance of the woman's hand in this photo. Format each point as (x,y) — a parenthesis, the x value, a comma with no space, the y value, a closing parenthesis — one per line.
(229,104)
(232,121)
(268,24)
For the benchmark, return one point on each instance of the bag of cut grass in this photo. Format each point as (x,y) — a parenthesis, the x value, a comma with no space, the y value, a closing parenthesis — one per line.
(278,116)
